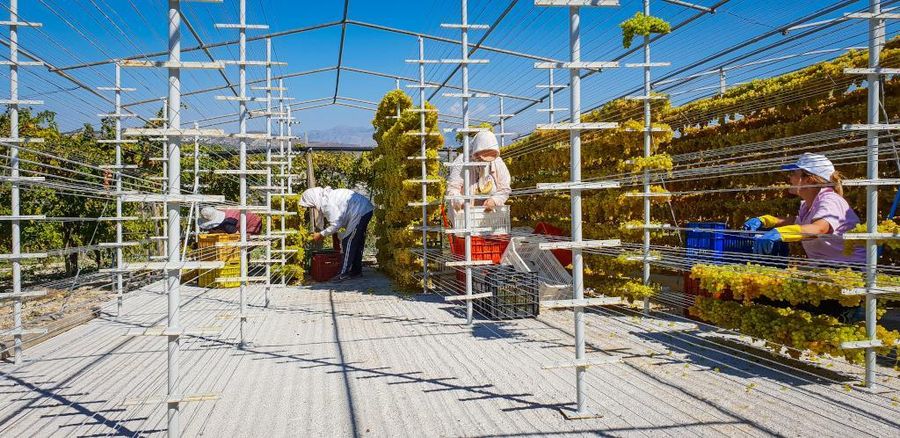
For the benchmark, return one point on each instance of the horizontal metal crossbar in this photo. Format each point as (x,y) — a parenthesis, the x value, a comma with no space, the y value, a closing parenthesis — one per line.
(23,63)
(241,244)
(215,65)
(24,295)
(576,65)
(463,263)
(23,331)
(578,3)
(577,126)
(182,199)
(20,102)
(23,256)
(871,182)
(169,132)
(856,345)
(580,245)
(647,64)
(585,302)
(651,97)
(242,26)
(452,298)
(22,140)
(465,61)
(257,279)
(466,163)
(872,127)
(20,23)
(467,96)
(167,266)
(593,185)
(34,217)
(21,179)
(240,172)
(867,236)
(878,290)
(872,71)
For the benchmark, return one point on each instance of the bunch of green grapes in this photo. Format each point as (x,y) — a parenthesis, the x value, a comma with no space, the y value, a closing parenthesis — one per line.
(642,25)
(797,329)
(887,226)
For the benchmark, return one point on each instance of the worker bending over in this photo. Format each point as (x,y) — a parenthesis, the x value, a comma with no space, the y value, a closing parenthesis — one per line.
(490,178)
(343,209)
(213,220)
(823,218)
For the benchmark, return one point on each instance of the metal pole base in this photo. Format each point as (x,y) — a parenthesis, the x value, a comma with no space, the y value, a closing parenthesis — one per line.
(571,414)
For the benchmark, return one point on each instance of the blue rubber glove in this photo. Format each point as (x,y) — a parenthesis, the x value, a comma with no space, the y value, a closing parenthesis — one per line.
(765,243)
(753,224)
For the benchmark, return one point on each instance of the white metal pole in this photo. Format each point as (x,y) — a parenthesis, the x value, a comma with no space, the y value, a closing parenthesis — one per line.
(722,85)
(424,150)
(197,181)
(242,105)
(14,173)
(575,171)
(647,148)
(876,44)
(550,116)
(174,229)
(281,120)
(290,150)
(267,190)
(467,187)
(165,178)
(502,125)
(120,253)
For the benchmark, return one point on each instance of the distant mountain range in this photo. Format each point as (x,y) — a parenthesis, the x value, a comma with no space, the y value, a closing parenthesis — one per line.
(347,135)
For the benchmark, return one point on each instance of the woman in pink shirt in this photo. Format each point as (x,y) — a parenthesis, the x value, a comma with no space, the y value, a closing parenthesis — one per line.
(823,218)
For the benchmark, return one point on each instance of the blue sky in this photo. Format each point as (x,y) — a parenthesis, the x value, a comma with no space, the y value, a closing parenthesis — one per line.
(78,31)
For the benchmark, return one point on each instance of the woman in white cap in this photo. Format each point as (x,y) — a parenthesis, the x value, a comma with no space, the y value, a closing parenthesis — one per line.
(490,179)
(345,209)
(823,218)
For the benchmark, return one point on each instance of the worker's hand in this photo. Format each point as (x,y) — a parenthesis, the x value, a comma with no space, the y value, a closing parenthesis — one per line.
(317,237)
(753,224)
(765,243)
(490,205)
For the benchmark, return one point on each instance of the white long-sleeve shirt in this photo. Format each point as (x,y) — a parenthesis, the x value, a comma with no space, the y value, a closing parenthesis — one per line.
(343,209)
(496,170)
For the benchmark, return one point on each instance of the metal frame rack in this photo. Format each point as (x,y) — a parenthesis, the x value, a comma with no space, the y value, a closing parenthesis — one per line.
(16,180)
(575,187)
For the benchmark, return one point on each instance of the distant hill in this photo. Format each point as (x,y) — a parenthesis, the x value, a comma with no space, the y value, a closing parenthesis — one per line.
(345,135)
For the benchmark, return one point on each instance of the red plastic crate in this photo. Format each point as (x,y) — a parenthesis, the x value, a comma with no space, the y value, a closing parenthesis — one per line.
(563,255)
(483,248)
(326,265)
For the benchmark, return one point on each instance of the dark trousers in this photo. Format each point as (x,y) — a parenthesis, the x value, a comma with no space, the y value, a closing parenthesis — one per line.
(353,246)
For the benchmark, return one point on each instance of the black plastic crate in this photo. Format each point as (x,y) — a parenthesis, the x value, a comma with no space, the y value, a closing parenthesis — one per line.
(514,294)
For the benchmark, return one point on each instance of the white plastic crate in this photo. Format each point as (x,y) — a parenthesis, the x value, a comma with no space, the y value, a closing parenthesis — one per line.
(554,281)
(497,219)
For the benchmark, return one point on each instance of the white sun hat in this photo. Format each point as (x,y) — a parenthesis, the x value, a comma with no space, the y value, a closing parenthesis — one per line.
(485,141)
(815,164)
(210,217)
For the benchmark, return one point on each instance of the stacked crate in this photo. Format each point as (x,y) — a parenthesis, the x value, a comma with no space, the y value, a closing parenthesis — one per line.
(231,255)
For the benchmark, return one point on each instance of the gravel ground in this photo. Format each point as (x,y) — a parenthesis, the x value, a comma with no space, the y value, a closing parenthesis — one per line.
(358,360)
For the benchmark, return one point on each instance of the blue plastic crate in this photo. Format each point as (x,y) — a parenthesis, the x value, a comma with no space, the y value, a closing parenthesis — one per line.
(743,244)
(704,245)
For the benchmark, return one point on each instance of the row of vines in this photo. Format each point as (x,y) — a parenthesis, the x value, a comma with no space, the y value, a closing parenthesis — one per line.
(395,184)
(773,304)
